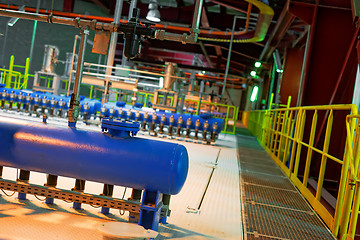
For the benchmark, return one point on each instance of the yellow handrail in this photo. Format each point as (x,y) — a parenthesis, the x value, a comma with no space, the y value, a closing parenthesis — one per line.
(282,133)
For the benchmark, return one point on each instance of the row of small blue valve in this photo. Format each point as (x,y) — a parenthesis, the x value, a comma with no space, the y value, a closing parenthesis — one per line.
(115,110)
(46,99)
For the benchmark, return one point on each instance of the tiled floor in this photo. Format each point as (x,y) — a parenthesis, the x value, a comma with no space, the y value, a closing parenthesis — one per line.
(196,213)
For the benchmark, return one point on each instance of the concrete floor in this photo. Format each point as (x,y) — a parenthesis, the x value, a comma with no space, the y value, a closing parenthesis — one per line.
(196,213)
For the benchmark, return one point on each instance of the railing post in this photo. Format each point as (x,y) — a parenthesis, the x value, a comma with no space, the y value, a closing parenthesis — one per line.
(288,135)
(282,132)
(26,73)
(345,196)
(11,66)
(299,131)
(324,158)
(309,152)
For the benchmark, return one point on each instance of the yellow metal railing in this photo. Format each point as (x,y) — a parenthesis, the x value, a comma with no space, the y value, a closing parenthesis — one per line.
(15,79)
(351,203)
(293,138)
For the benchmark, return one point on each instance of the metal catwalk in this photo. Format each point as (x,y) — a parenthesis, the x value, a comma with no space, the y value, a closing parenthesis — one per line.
(272,208)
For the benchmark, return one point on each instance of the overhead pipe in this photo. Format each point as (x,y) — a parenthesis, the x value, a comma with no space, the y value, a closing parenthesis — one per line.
(185,38)
(112,49)
(265,17)
(83,23)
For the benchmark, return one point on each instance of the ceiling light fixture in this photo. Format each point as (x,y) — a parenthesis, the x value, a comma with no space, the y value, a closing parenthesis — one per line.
(254,93)
(153,14)
(13,20)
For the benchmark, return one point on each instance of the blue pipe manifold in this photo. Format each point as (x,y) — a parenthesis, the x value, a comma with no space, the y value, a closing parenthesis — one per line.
(124,161)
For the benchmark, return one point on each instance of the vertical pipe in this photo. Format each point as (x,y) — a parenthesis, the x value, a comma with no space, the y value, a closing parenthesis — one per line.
(72,65)
(112,48)
(34,32)
(202,85)
(271,96)
(74,102)
(80,63)
(229,56)
(302,77)
(124,61)
(197,15)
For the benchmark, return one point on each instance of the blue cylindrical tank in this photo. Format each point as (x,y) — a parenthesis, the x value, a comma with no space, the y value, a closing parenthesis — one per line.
(132,162)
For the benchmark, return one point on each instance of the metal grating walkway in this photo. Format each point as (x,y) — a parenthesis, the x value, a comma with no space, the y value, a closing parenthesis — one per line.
(272,207)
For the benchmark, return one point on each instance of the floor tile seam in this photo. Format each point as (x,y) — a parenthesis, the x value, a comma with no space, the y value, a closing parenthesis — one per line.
(257,161)
(272,164)
(309,213)
(284,206)
(261,167)
(259,185)
(261,160)
(268,236)
(268,174)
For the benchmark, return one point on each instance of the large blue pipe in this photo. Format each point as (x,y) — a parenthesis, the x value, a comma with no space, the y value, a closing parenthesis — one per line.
(132,162)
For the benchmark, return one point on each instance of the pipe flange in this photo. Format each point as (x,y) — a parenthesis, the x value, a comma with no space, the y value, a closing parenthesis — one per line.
(120,128)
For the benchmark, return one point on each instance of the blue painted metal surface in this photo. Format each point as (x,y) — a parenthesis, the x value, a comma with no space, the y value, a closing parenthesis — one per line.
(118,110)
(150,209)
(131,162)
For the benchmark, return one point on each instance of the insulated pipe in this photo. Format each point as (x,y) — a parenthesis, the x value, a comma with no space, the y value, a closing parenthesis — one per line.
(72,64)
(124,161)
(197,17)
(112,49)
(169,73)
(184,38)
(229,56)
(264,21)
(74,102)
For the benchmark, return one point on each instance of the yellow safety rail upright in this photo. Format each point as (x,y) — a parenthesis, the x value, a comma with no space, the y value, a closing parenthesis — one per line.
(350,210)
(15,79)
(283,135)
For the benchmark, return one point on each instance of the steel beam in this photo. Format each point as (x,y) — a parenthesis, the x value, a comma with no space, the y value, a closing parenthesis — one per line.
(283,23)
